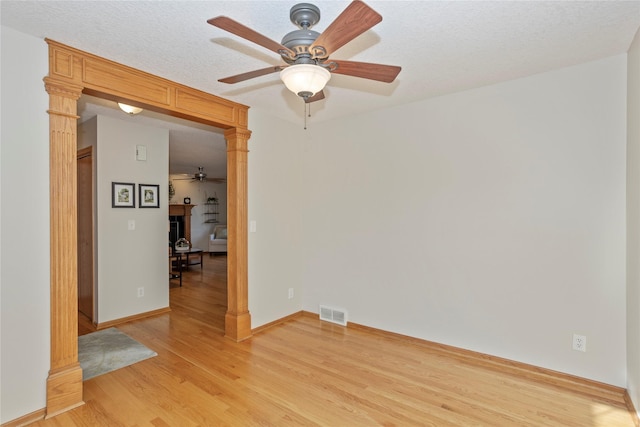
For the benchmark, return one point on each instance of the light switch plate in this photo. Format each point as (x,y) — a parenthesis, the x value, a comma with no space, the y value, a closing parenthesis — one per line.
(141,152)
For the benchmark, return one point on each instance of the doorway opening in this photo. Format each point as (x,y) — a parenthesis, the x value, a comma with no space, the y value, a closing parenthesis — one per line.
(86,260)
(190,144)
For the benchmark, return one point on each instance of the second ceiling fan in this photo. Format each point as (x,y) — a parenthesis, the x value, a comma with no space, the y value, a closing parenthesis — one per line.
(306,53)
(200,176)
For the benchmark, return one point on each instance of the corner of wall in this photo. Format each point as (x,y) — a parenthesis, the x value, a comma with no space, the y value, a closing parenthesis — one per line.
(633,221)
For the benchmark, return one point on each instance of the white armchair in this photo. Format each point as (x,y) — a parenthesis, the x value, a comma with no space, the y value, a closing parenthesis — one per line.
(218,240)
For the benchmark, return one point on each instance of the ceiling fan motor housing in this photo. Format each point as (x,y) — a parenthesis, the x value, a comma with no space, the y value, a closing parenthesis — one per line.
(200,175)
(299,41)
(304,16)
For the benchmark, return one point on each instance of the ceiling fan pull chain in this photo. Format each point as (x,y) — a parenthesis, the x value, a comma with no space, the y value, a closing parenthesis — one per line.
(305,115)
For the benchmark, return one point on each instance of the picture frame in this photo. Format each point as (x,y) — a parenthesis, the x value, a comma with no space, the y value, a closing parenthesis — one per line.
(123,195)
(149,196)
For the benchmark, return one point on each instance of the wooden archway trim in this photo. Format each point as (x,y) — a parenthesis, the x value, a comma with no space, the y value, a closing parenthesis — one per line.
(71,73)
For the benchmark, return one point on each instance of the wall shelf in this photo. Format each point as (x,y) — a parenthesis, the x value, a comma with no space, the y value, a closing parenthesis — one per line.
(211,213)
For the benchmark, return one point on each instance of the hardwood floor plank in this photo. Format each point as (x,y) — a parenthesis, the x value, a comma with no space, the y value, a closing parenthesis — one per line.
(305,372)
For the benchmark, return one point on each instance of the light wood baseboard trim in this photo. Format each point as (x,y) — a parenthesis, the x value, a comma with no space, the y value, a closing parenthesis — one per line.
(632,408)
(587,387)
(111,323)
(26,419)
(276,322)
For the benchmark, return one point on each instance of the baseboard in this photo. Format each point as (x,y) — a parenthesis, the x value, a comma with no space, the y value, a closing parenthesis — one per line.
(111,323)
(276,322)
(586,387)
(26,419)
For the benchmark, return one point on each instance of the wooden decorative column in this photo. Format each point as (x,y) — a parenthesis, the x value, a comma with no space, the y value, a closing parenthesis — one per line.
(237,319)
(64,384)
(72,72)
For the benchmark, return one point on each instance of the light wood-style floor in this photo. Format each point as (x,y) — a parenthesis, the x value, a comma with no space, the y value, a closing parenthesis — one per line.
(309,373)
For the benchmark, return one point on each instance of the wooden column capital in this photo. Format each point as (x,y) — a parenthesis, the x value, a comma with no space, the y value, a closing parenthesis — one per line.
(62,88)
(237,138)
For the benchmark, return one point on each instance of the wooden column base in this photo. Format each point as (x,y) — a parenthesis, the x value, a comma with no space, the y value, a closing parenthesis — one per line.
(64,390)
(237,326)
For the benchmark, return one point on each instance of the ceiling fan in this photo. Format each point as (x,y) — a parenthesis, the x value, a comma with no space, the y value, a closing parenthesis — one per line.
(200,176)
(306,53)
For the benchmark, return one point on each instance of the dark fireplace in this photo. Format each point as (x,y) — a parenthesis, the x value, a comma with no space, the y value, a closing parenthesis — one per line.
(176,228)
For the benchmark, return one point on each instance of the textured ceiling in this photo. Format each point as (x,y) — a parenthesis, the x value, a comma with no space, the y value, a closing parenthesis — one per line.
(442,46)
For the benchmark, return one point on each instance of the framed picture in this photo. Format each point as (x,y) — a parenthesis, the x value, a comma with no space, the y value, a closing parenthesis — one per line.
(149,196)
(123,195)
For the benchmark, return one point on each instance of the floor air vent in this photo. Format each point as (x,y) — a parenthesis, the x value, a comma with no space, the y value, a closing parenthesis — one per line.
(334,315)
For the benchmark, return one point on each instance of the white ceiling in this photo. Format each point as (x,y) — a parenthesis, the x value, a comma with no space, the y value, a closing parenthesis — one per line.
(442,46)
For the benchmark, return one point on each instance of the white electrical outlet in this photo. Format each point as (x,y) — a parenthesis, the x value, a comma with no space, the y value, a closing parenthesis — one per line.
(579,342)
(140,292)
(290,293)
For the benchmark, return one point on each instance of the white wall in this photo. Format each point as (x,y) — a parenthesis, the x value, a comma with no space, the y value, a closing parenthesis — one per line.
(633,222)
(275,193)
(492,219)
(24,225)
(199,192)
(129,259)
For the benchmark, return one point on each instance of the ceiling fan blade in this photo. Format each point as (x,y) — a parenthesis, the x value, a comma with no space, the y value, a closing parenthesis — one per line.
(317,97)
(353,21)
(247,33)
(365,70)
(185,176)
(213,180)
(252,74)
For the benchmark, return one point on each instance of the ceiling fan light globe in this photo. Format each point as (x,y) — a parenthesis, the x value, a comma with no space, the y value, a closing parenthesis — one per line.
(305,78)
